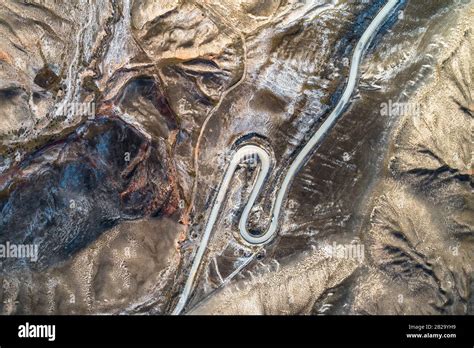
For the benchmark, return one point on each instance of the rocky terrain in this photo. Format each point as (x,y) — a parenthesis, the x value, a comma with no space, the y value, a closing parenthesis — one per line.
(119,118)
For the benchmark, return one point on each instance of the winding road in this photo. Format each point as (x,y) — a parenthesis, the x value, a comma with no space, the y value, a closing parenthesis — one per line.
(251,151)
